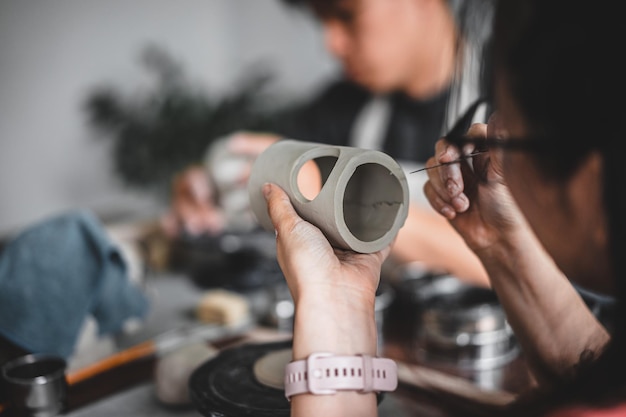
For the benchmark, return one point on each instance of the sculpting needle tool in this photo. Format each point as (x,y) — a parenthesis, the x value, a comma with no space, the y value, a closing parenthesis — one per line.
(456,161)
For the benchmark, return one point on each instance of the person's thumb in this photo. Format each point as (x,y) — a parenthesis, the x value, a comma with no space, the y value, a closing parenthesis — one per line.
(282,213)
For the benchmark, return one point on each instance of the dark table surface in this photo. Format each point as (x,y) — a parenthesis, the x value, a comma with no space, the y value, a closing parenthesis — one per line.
(129,388)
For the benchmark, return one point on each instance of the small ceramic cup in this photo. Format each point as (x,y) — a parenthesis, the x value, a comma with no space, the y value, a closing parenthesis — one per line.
(36,385)
(364,197)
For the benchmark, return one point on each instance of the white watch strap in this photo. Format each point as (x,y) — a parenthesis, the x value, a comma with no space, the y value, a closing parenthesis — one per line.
(324,373)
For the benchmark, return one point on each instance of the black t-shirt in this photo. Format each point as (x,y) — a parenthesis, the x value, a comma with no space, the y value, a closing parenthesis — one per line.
(412,130)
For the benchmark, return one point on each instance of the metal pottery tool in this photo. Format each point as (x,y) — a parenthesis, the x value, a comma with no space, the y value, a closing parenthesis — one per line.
(456,161)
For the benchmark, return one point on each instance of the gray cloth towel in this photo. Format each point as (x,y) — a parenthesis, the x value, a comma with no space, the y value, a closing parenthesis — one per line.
(56,273)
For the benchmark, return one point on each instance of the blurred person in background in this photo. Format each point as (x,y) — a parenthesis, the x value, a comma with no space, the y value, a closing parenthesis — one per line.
(409,69)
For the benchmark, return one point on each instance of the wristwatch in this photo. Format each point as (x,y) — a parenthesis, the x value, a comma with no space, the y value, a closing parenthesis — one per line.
(325,373)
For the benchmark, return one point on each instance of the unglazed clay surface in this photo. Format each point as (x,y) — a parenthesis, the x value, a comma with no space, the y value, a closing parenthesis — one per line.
(364,197)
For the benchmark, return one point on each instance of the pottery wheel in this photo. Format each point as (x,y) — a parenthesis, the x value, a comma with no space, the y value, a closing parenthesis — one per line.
(227,385)
(270,369)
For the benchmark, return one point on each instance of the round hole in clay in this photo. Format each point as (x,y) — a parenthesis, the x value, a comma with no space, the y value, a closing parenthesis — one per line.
(313,175)
(372,199)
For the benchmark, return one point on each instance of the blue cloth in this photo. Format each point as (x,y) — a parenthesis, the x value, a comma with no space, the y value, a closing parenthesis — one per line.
(54,275)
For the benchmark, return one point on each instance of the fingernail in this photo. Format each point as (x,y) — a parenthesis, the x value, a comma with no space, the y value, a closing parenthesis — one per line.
(267,190)
(460,203)
(447,212)
(452,187)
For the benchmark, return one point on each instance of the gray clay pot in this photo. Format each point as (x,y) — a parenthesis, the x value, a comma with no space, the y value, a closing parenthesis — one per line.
(364,199)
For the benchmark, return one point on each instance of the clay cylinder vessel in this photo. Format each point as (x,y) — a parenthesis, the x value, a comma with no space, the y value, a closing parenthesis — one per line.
(364,197)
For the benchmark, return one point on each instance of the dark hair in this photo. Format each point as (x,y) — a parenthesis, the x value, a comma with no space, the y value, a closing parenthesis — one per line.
(305,3)
(561,62)
(471,16)
(554,54)
(295,2)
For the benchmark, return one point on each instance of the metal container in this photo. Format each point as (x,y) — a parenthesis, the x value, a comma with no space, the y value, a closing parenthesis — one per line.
(385,296)
(462,325)
(458,326)
(36,385)
(281,308)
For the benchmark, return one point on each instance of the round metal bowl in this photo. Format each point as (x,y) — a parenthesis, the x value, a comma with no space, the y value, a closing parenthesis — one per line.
(385,296)
(460,325)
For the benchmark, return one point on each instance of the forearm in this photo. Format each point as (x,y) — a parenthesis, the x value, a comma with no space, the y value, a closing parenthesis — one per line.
(334,293)
(550,320)
(343,327)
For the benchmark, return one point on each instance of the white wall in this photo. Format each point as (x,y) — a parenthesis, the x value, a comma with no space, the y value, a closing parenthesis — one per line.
(52,52)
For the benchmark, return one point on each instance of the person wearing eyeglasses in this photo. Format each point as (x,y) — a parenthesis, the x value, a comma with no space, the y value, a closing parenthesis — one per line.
(540,201)
(408,69)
